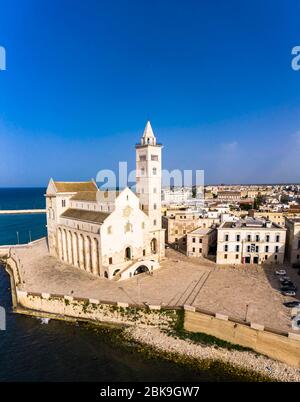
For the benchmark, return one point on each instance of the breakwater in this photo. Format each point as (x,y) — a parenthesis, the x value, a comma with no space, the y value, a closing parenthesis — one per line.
(22,211)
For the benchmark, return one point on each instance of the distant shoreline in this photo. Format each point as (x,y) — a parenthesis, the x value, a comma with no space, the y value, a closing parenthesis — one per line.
(205,185)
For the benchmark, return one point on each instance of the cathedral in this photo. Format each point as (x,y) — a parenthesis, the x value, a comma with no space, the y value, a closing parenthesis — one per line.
(111,234)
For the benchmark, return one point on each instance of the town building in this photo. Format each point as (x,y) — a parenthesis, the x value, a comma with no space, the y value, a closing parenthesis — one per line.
(250,241)
(201,242)
(178,224)
(293,240)
(229,196)
(177,195)
(111,234)
(276,217)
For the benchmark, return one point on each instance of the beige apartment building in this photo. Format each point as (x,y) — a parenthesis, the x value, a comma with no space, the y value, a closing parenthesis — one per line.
(250,241)
(275,217)
(229,196)
(278,217)
(200,242)
(178,224)
(293,240)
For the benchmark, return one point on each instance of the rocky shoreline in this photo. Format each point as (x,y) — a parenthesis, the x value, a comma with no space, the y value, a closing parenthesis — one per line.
(265,368)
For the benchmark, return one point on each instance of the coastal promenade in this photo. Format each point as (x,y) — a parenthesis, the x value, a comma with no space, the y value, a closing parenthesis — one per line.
(215,301)
(246,293)
(22,211)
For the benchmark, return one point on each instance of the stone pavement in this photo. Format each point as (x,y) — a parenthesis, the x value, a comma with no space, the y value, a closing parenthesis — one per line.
(248,292)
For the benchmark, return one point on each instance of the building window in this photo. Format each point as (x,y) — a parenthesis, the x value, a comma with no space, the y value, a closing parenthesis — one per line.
(257,249)
(194,239)
(248,249)
(142,157)
(267,249)
(249,238)
(194,249)
(154,206)
(109,230)
(154,222)
(154,157)
(200,240)
(154,171)
(237,248)
(238,237)
(257,238)
(267,238)
(276,257)
(142,171)
(154,190)
(110,260)
(226,247)
(143,225)
(226,237)
(276,249)
(236,256)
(277,238)
(63,203)
(225,256)
(266,257)
(128,227)
(144,253)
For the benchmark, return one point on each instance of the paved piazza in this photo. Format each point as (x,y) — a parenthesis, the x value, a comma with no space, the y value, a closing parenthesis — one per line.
(247,292)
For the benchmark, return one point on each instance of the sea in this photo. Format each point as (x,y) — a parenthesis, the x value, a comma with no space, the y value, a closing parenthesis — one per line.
(34,349)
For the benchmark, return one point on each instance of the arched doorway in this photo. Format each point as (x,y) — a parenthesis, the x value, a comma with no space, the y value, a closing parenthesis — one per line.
(248,259)
(153,246)
(116,272)
(128,255)
(141,269)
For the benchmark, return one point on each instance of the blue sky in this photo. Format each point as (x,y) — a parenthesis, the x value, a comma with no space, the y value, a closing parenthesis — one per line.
(214,78)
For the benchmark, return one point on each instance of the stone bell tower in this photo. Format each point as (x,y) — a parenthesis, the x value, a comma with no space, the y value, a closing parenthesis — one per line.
(148,185)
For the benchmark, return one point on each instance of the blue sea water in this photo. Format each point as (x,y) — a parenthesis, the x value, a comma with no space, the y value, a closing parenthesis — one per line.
(22,198)
(60,351)
(17,228)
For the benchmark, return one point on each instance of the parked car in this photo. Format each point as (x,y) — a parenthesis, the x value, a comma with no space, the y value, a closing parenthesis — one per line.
(287,283)
(296,322)
(280,272)
(288,293)
(290,287)
(284,278)
(292,304)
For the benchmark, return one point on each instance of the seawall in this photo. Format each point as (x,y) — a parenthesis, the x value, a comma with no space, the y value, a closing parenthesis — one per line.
(281,346)
(284,347)
(22,211)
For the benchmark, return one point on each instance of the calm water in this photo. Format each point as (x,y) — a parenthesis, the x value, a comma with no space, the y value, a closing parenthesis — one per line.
(21,228)
(58,351)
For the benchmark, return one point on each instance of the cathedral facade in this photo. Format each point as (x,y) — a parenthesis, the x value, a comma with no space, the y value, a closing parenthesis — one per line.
(111,234)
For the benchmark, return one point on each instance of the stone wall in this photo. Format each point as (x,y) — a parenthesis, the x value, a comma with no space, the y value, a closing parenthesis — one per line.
(279,346)
(96,310)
